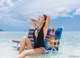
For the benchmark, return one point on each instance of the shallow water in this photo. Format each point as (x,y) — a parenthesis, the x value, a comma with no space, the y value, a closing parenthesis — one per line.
(69,45)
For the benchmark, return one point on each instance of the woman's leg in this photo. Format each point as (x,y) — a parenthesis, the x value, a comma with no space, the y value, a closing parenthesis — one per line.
(25,42)
(30,52)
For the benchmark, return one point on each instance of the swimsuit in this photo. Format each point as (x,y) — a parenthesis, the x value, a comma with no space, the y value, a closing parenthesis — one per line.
(39,41)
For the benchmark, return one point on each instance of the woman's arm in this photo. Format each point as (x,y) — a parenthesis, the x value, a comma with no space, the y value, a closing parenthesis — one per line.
(47,21)
(32,20)
(46,25)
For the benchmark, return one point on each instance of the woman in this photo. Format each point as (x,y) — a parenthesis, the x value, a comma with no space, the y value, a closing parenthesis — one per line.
(39,35)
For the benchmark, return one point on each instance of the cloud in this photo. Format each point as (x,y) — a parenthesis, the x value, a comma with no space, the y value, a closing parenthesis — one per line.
(6,5)
(12,23)
(77,12)
(16,13)
(54,8)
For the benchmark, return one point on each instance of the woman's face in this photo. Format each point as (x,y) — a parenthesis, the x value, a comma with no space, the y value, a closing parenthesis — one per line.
(41,19)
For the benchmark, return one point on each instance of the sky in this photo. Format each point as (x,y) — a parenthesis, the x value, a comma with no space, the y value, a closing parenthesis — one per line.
(15,14)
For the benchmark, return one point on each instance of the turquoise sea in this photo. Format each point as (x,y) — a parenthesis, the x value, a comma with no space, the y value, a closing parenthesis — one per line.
(69,45)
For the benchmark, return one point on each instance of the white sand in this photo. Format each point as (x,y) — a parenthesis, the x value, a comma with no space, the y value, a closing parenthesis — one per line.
(7,51)
(69,46)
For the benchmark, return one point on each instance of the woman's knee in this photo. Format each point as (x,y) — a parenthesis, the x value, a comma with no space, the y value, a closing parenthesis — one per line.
(24,38)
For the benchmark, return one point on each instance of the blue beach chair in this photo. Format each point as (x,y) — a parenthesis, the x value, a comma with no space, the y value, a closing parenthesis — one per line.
(52,39)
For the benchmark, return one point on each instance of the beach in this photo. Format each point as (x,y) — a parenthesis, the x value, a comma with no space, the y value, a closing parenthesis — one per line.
(69,45)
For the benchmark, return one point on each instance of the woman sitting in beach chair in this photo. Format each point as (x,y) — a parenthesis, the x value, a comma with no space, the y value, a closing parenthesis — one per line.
(39,35)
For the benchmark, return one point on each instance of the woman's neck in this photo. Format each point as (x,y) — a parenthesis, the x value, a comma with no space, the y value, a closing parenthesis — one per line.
(40,25)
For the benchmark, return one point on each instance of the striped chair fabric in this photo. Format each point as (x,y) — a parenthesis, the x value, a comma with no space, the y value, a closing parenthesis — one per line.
(52,38)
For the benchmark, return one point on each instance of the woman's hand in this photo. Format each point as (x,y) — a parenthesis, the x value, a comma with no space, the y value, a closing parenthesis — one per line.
(33,19)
